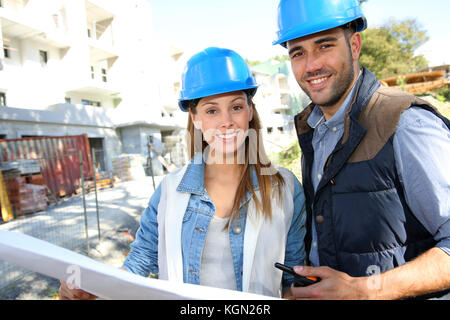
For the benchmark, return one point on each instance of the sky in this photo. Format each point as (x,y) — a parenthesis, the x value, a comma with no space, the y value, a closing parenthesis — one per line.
(249,26)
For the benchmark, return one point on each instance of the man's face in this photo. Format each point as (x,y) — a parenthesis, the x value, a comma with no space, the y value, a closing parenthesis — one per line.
(323,64)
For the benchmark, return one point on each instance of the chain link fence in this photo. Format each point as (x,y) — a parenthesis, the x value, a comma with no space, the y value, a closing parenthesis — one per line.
(35,209)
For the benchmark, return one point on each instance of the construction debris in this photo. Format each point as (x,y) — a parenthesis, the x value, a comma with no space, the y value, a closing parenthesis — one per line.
(169,166)
(418,83)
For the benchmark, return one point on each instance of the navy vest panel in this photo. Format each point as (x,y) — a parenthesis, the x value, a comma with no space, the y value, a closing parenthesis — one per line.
(369,218)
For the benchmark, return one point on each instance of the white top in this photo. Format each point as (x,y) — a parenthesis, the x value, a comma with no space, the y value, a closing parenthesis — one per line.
(217,269)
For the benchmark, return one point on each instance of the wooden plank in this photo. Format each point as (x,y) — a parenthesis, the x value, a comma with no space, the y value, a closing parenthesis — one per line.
(170,167)
(418,88)
(416,77)
(5,204)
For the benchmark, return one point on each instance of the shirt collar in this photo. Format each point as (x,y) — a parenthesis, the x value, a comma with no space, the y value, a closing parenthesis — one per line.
(193,180)
(338,118)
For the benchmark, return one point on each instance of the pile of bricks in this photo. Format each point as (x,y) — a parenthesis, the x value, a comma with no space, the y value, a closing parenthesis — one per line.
(25,197)
(33,198)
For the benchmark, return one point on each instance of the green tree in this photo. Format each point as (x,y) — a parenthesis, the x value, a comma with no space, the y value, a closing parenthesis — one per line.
(252,62)
(390,49)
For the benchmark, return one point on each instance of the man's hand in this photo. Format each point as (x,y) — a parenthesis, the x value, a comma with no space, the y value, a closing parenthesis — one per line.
(334,285)
(66,293)
(430,272)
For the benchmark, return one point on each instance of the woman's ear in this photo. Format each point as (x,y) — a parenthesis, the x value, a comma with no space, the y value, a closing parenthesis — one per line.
(197,124)
(252,106)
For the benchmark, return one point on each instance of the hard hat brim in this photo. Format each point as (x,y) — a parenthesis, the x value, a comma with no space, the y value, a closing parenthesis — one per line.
(183,102)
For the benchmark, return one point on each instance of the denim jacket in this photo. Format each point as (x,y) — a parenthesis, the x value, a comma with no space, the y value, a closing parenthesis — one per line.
(143,256)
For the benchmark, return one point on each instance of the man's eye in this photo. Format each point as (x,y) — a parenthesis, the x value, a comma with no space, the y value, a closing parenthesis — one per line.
(296,54)
(325,46)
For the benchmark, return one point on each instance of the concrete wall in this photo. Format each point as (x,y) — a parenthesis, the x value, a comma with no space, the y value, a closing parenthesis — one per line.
(134,140)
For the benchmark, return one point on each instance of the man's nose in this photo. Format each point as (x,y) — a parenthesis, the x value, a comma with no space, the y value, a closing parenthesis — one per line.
(314,63)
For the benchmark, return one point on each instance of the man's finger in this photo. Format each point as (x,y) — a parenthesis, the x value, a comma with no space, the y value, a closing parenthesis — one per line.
(316,272)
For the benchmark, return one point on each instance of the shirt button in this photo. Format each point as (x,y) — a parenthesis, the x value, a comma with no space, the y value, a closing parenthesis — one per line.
(319,176)
(334,129)
(319,219)
(314,244)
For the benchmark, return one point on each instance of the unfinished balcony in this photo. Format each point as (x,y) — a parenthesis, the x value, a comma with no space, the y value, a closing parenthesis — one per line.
(100,32)
(22,19)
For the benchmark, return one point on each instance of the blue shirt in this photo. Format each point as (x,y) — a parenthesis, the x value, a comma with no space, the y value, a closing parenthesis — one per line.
(422,155)
(143,256)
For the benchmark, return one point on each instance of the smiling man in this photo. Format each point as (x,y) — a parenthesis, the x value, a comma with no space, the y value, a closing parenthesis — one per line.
(325,67)
(374,166)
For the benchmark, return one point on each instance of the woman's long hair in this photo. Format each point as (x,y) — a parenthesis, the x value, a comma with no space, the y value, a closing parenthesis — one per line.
(268,177)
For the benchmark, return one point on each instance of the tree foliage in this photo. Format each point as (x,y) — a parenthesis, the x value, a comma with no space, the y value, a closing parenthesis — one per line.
(389,50)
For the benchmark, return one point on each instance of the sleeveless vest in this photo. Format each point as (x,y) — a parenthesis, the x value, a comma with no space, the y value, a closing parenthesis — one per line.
(264,239)
(361,215)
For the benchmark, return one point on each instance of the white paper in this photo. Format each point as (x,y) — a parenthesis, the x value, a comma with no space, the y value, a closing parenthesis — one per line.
(102,280)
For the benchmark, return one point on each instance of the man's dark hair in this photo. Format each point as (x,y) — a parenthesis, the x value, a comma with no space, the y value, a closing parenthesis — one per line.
(350,28)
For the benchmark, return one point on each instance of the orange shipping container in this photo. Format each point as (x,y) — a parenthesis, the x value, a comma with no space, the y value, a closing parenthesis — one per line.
(58,159)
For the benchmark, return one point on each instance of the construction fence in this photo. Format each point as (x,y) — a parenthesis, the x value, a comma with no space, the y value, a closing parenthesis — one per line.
(41,183)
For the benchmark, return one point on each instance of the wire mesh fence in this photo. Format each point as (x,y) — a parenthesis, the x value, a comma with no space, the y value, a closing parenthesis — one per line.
(44,204)
(59,192)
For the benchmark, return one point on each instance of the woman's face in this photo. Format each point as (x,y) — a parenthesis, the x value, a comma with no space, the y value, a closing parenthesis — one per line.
(224,121)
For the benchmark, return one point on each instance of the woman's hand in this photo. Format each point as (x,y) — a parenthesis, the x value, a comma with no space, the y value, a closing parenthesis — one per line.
(68,293)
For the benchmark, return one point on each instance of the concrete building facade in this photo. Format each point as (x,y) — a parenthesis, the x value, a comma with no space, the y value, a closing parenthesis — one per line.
(86,67)
(96,67)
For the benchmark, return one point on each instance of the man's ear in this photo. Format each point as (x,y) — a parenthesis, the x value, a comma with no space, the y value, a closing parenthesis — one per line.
(356,45)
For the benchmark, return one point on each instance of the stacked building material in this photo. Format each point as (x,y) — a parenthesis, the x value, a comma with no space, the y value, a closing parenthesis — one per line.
(128,167)
(33,198)
(24,198)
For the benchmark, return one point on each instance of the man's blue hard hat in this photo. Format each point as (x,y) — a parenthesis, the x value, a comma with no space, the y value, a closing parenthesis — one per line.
(299,18)
(213,71)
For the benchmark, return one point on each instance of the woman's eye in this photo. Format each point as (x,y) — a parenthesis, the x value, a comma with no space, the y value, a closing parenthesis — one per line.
(237,108)
(211,111)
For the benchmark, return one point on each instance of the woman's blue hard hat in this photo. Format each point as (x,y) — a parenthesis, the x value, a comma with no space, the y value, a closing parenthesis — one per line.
(213,71)
(299,18)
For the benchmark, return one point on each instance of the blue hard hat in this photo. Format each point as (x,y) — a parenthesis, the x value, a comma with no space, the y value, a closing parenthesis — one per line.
(299,18)
(213,71)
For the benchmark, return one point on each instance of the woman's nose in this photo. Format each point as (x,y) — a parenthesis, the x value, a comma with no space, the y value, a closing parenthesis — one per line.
(226,120)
